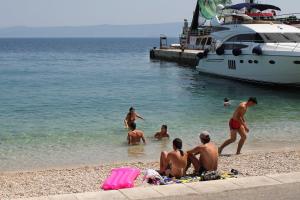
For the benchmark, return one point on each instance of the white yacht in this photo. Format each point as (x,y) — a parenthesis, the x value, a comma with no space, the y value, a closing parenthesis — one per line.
(256,50)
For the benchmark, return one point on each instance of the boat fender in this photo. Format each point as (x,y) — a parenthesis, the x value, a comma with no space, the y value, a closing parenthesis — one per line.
(257,50)
(220,51)
(236,52)
(152,55)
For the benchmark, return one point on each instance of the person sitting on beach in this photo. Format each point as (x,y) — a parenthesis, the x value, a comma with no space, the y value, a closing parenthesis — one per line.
(131,117)
(238,124)
(135,136)
(163,133)
(172,164)
(208,160)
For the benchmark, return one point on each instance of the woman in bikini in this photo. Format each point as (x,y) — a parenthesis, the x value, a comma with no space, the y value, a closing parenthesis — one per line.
(131,117)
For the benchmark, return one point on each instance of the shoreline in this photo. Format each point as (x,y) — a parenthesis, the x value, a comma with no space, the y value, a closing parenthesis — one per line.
(77,166)
(89,178)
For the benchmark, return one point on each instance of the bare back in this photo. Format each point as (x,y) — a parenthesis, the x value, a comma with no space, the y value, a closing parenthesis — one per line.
(209,156)
(135,136)
(178,163)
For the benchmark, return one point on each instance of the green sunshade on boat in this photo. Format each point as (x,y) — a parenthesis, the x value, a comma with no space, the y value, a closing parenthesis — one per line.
(208,8)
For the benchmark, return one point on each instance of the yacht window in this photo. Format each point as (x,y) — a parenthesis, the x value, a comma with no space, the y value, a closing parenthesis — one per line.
(246,38)
(198,41)
(281,37)
(234,46)
(208,41)
(203,41)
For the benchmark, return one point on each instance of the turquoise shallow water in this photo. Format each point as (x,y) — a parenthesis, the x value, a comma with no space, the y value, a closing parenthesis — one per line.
(63,102)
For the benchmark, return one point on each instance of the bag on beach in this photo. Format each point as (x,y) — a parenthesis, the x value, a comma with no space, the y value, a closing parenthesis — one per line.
(212,175)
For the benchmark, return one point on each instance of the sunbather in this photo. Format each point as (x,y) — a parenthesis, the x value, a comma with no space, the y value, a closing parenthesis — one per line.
(208,160)
(172,164)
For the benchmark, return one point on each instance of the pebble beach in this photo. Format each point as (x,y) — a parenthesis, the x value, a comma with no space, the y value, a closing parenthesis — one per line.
(23,184)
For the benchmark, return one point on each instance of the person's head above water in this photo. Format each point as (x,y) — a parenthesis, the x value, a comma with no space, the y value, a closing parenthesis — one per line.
(133,126)
(204,137)
(164,128)
(252,101)
(177,145)
(226,102)
(131,109)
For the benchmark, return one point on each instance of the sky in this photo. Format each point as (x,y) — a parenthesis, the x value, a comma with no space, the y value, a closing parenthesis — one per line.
(41,13)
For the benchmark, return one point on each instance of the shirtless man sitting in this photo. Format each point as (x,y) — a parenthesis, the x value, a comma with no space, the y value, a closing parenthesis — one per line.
(172,164)
(238,124)
(135,136)
(163,133)
(208,160)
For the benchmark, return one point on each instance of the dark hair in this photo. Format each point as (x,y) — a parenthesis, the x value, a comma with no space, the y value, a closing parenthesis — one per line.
(165,127)
(133,126)
(177,143)
(226,100)
(205,138)
(131,109)
(252,99)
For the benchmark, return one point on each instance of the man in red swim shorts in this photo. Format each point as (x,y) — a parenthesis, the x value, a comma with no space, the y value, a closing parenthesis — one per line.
(238,124)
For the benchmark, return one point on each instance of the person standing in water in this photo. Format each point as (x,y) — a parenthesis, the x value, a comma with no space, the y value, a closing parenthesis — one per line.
(135,136)
(238,124)
(131,117)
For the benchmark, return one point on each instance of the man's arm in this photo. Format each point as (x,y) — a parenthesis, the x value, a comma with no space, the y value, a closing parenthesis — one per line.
(194,151)
(242,112)
(143,138)
(157,135)
(129,138)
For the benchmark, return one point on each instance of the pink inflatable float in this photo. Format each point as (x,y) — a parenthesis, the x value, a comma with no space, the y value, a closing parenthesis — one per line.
(121,178)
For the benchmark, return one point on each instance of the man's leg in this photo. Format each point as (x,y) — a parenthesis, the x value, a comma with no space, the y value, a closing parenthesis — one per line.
(229,141)
(163,161)
(243,135)
(195,162)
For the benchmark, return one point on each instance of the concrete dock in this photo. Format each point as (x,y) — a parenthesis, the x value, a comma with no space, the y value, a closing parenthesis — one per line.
(275,186)
(187,57)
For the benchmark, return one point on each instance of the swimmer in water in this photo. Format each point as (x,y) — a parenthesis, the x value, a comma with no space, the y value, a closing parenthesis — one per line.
(226,102)
(135,136)
(163,133)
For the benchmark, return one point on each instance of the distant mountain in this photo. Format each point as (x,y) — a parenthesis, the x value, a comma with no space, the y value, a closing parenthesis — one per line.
(145,30)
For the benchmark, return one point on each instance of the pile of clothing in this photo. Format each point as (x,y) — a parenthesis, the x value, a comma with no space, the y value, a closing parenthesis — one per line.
(154,178)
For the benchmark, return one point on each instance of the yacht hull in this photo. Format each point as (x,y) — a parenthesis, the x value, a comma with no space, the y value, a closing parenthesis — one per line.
(266,69)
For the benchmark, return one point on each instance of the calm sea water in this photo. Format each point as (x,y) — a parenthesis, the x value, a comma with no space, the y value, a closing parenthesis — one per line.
(63,101)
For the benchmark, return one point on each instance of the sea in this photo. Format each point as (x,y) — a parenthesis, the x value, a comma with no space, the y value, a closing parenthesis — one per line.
(63,102)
